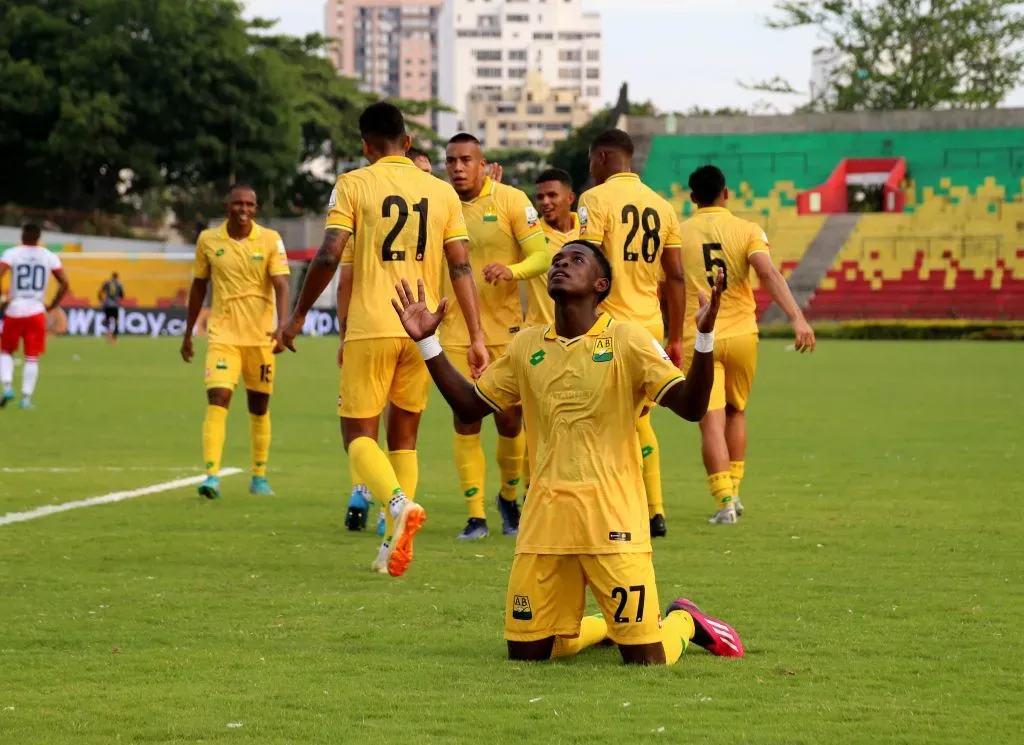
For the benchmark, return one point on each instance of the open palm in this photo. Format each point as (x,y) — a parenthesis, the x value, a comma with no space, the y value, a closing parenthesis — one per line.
(416,318)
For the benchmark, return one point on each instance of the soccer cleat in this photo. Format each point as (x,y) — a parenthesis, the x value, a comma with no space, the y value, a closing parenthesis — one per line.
(716,636)
(358,508)
(509,516)
(738,505)
(407,524)
(26,404)
(725,516)
(382,523)
(475,530)
(658,527)
(210,488)
(6,397)
(260,487)
(380,564)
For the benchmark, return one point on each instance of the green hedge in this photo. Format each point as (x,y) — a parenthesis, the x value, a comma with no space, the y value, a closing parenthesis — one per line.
(974,330)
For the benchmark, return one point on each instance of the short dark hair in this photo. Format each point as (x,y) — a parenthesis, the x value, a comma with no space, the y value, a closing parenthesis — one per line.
(463,137)
(614,139)
(706,183)
(414,152)
(602,261)
(382,124)
(31,233)
(240,185)
(555,174)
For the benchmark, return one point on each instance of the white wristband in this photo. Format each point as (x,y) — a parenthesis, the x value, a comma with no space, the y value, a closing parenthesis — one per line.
(429,347)
(705,342)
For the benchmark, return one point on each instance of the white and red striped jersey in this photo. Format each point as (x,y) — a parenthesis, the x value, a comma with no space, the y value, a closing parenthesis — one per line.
(30,267)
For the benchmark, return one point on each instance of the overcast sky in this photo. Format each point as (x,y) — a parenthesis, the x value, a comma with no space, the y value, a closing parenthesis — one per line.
(677,53)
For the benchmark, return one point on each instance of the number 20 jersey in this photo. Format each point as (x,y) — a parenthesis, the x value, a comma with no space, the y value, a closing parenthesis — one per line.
(633,224)
(30,270)
(712,239)
(400,220)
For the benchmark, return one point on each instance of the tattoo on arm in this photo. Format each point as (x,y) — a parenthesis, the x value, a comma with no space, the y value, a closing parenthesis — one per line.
(329,254)
(455,271)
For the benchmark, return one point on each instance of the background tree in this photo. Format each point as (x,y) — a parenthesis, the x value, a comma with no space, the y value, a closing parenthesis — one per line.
(910,54)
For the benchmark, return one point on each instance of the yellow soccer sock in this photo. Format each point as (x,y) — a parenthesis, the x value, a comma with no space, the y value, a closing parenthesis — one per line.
(215,427)
(472,465)
(652,465)
(736,470)
(720,485)
(259,441)
(593,630)
(368,460)
(510,464)
(407,468)
(676,633)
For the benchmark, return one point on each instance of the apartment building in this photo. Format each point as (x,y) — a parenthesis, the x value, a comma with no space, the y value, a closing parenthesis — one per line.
(490,45)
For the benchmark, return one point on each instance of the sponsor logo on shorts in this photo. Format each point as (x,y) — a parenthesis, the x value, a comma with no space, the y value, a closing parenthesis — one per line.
(618,535)
(222,364)
(514,330)
(603,350)
(521,610)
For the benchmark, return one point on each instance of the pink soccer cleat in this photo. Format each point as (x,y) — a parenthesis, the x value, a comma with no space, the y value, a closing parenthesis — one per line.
(717,637)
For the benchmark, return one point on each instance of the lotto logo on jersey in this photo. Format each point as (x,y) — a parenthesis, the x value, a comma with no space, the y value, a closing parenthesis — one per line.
(603,350)
(584,216)
(521,610)
(532,218)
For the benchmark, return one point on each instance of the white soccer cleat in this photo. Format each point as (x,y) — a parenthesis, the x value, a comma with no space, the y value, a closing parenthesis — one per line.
(395,553)
(380,564)
(725,516)
(738,505)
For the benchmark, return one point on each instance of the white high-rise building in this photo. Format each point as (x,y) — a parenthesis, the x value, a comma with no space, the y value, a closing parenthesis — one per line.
(489,45)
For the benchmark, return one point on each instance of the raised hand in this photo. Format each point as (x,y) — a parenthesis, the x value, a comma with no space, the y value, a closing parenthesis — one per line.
(416,318)
(495,171)
(707,314)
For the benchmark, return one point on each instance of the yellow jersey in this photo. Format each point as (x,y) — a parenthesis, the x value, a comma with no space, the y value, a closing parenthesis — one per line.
(714,237)
(503,228)
(540,308)
(581,399)
(400,219)
(242,311)
(633,224)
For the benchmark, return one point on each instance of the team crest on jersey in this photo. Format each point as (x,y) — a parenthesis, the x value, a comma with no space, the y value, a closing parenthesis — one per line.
(490,214)
(521,610)
(222,364)
(257,257)
(532,218)
(603,350)
(584,216)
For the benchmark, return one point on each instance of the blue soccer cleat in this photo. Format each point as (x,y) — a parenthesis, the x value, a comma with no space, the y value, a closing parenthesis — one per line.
(509,516)
(26,404)
(475,530)
(6,397)
(210,488)
(382,524)
(358,508)
(260,487)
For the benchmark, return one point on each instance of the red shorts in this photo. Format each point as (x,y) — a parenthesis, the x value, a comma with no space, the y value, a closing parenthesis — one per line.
(30,328)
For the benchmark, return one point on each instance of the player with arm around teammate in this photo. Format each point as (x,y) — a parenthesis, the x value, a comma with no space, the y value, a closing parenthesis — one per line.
(715,240)
(582,382)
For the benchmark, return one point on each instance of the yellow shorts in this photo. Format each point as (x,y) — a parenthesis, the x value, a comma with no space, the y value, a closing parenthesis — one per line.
(375,371)
(225,362)
(735,365)
(547,596)
(457,355)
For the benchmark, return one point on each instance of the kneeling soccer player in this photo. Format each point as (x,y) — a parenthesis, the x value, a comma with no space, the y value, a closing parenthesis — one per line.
(582,383)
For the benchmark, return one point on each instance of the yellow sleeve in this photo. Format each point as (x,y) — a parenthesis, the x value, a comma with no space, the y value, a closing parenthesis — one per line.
(538,257)
(341,208)
(522,216)
(278,264)
(758,241)
(499,385)
(593,224)
(455,224)
(652,369)
(672,238)
(201,263)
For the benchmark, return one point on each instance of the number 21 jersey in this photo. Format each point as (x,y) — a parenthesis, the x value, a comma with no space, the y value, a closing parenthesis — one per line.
(31,267)
(400,220)
(634,225)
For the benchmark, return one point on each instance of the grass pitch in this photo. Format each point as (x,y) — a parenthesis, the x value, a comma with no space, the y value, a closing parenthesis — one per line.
(877,578)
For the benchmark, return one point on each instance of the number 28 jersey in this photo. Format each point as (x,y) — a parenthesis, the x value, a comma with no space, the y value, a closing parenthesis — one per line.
(31,267)
(633,224)
(714,238)
(400,220)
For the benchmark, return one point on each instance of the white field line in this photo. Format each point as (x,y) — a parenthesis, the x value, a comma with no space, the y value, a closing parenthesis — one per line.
(117,496)
(111,469)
